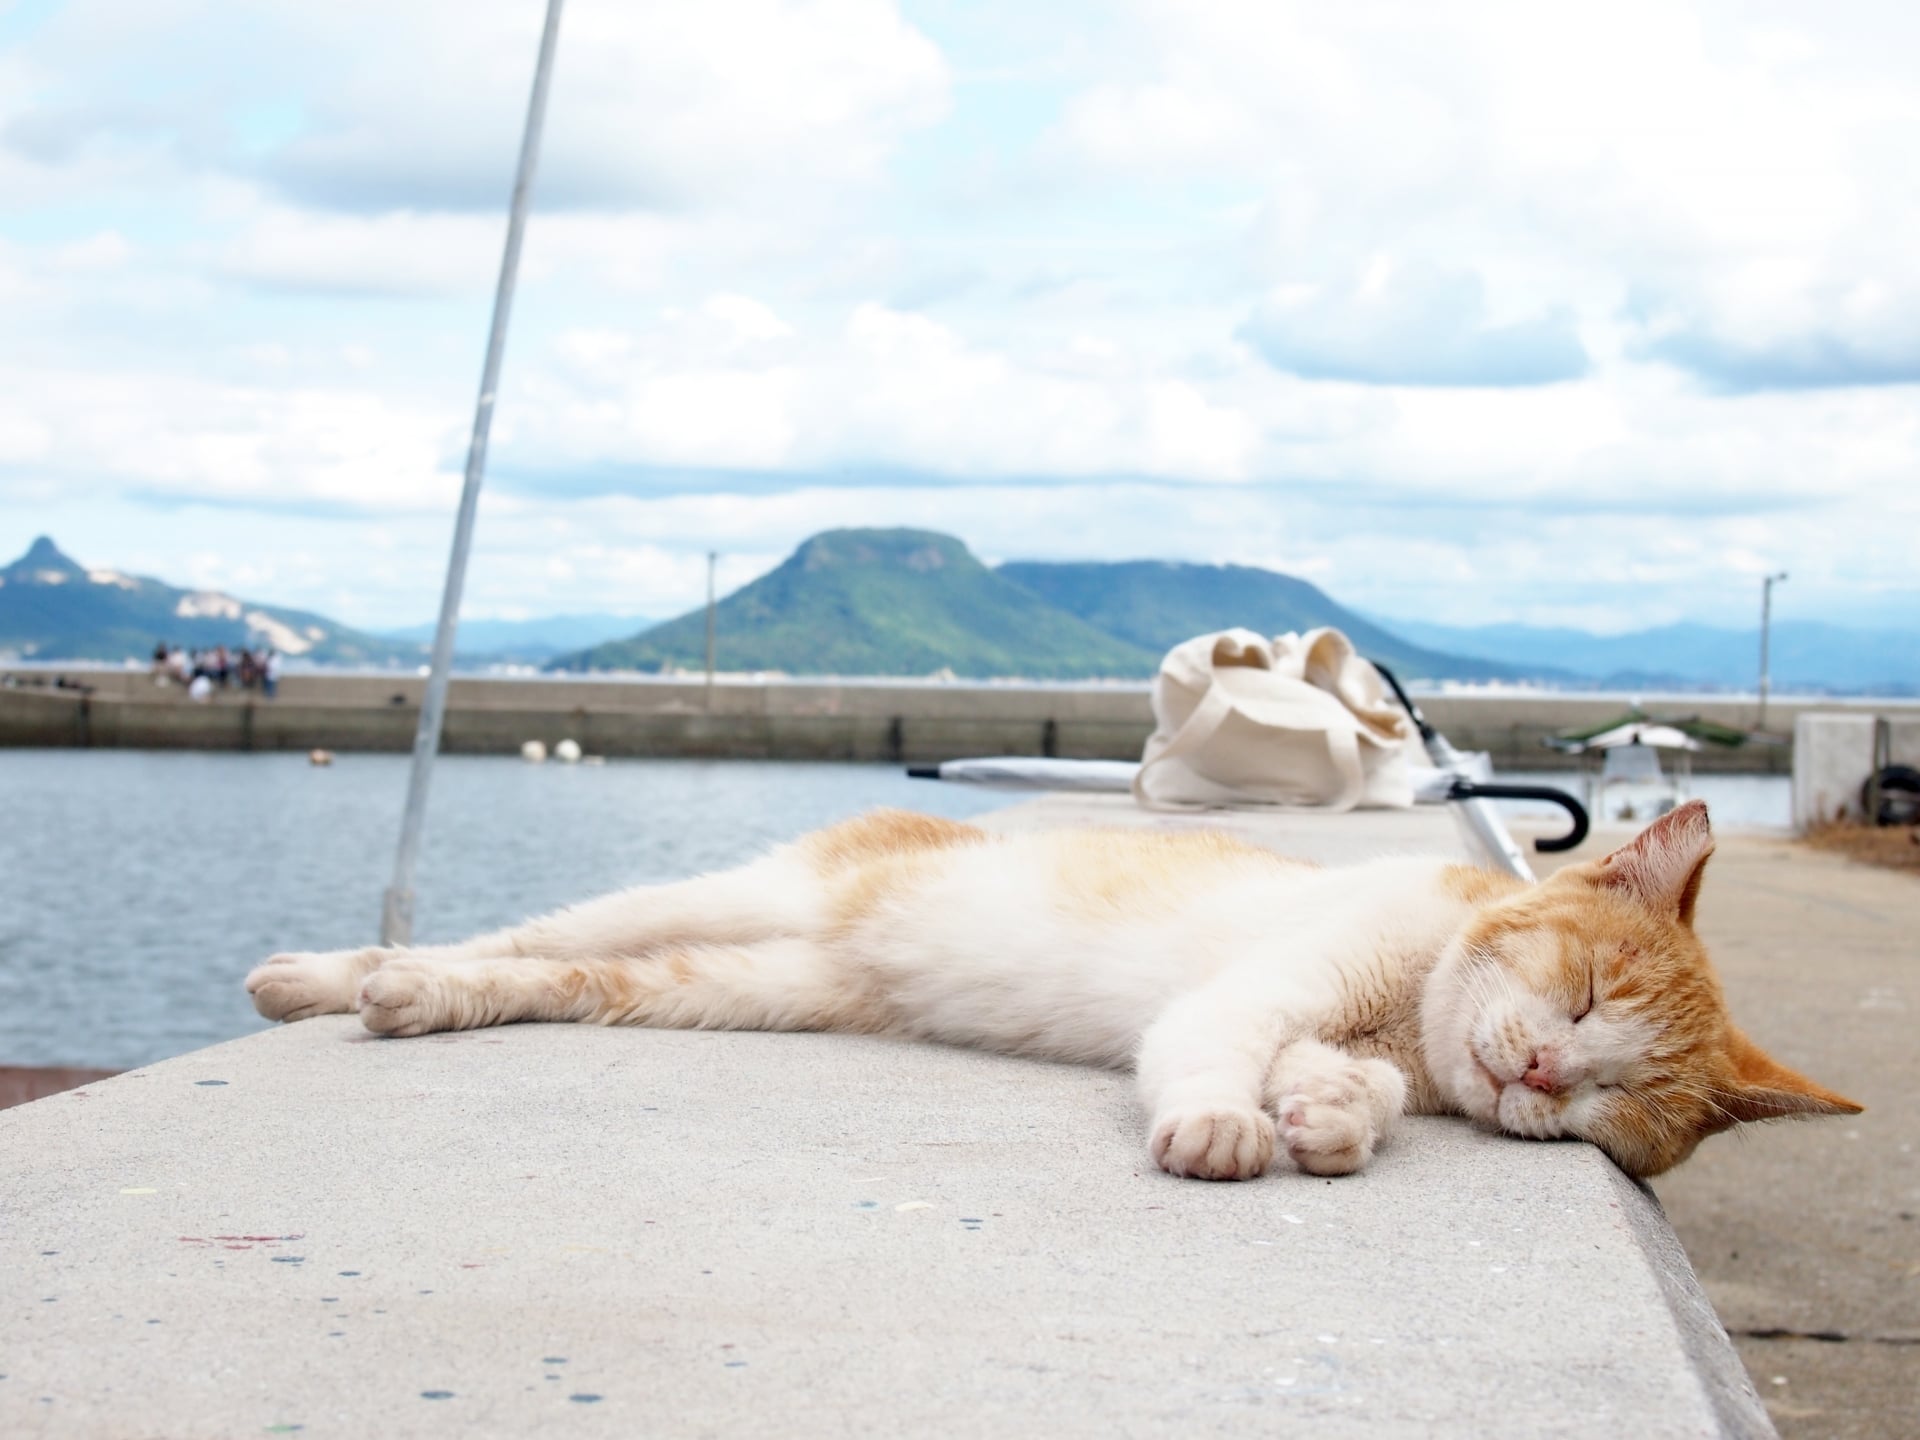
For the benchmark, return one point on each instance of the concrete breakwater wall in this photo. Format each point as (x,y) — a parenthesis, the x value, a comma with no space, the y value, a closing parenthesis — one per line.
(817,720)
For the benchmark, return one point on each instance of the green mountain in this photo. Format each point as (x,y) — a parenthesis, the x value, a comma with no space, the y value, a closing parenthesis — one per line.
(52,608)
(879,602)
(1155,604)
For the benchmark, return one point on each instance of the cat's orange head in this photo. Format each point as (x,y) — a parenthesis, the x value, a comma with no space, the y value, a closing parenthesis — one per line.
(1586,1006)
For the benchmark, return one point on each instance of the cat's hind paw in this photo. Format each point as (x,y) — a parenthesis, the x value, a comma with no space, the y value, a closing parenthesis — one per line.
(1213,1144)
(298,987)
(398,999)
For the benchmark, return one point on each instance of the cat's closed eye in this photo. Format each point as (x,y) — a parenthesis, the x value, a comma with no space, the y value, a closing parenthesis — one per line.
(1586,1008)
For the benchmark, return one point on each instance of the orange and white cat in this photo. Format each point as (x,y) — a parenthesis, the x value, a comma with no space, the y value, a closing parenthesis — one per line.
(1262,1002)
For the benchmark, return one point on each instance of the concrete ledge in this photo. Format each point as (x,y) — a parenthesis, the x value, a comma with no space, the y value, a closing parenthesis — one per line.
(623,1232)
(796,1234)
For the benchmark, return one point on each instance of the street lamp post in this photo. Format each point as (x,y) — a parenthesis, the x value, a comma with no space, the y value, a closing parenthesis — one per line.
(1766,622)
(713,558)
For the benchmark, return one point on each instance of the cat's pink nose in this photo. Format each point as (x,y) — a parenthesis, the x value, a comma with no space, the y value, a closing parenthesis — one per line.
(1542,1074)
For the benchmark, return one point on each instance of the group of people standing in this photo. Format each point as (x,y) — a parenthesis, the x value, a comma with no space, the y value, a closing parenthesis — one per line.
(203,671)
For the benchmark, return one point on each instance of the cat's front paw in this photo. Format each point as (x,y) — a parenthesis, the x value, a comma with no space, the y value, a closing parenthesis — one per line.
(398,1000)
(1223,1143)
(1334,1108)
(299,986)
(1328,1122)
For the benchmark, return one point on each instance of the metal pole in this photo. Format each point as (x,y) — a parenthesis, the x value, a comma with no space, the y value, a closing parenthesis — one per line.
(1766,624)
(396,912)
(712,557)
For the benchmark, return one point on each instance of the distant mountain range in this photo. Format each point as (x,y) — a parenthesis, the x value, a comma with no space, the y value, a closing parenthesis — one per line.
(524,642)
(52,608)
(879,602)
(1803,655)
(1155,604)
(915,602)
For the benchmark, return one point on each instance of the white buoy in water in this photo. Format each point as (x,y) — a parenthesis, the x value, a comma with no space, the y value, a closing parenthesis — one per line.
(567,751)
(534,752)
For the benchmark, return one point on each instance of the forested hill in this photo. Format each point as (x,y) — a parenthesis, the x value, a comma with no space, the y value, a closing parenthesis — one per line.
(880,602)
(1156,604)
(914,602)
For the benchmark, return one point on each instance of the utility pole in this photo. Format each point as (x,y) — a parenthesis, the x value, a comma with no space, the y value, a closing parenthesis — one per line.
(1766,622)
(396,911)
(712,557)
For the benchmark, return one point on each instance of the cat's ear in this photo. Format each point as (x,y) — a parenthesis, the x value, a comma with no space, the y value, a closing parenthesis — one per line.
(1662,865)
(1764,1089)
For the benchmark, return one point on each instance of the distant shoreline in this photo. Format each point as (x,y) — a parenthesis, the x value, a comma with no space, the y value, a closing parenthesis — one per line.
(1785,699)
(786,719)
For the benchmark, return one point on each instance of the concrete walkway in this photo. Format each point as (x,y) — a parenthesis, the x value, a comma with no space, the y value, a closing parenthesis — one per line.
(1808,1235)
(565,1230)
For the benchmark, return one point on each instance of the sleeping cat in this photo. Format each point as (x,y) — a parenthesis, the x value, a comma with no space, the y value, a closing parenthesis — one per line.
(1263,1002)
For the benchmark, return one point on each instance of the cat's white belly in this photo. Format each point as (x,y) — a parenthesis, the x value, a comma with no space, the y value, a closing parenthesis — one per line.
(1009,965)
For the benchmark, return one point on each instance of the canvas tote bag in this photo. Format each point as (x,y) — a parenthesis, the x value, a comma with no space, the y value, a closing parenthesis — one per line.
(1298,721)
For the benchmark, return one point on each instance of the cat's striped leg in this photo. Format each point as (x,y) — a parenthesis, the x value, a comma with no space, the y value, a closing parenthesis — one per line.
(787,984)
(1333,1108)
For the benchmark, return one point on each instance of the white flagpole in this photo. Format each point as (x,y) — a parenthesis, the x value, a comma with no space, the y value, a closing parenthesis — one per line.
(396,913)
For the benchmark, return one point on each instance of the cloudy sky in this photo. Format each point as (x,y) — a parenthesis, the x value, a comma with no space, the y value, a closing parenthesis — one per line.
(1585,315)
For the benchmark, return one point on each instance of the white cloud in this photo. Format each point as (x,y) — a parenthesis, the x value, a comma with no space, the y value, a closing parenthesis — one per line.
(1742,173)
(105,434)
(887,390)
(746,317)
(420,106)
(890,392)
(401,253)
(24,439)
(14,282)
(104,250)
(1262,288)
(1411,325)
(1158,125)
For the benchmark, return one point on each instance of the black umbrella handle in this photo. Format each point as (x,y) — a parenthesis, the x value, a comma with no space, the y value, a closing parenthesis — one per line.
(1576,812)
(1473,790)
(1427,732)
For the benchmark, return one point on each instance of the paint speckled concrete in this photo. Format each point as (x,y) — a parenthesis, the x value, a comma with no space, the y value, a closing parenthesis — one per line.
(570,1231)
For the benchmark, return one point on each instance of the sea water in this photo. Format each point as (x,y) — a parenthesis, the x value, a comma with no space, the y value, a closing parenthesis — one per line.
(137,888)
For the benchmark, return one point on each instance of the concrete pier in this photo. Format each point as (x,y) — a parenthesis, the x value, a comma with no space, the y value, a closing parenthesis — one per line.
(797,719)
(568,1230)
